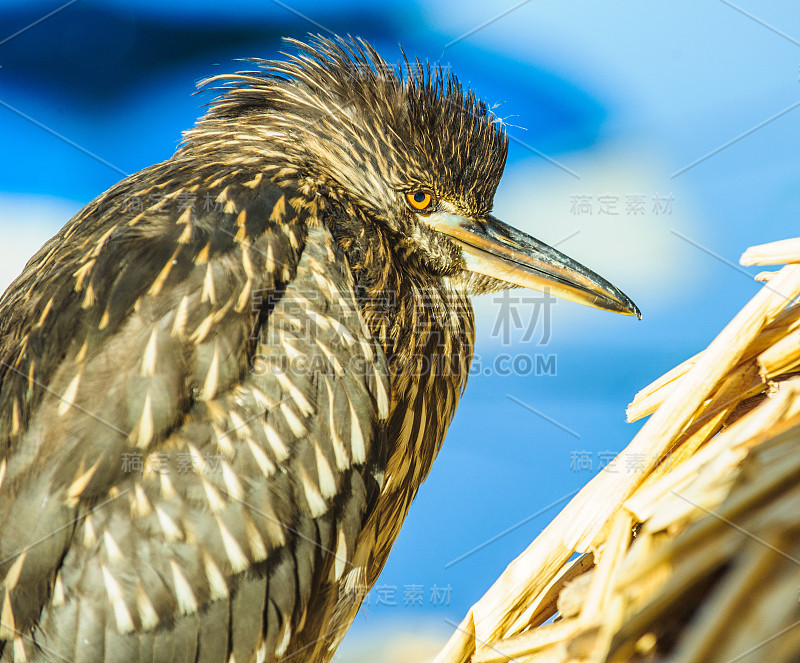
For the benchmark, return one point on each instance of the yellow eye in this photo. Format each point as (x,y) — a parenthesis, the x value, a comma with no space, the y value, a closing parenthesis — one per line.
(419,201)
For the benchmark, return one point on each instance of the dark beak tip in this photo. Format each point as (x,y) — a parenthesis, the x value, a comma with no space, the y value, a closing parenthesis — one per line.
(629,308)
(618,302)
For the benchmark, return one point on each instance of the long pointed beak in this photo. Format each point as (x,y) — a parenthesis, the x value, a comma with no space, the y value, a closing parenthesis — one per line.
(496,249)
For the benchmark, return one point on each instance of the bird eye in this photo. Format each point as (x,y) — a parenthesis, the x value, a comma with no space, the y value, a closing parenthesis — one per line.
(419,201)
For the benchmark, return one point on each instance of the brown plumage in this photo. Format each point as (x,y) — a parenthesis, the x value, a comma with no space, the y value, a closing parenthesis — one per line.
(224,380)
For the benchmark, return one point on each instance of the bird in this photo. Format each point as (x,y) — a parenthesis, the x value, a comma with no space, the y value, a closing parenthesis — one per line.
(223,381)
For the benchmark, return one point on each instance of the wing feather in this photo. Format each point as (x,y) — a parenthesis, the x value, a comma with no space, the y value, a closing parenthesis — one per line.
(196,436)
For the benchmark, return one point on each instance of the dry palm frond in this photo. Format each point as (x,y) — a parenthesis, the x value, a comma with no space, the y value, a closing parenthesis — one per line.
(696,557)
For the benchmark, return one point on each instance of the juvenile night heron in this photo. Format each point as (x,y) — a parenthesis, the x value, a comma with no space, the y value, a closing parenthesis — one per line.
(224,380)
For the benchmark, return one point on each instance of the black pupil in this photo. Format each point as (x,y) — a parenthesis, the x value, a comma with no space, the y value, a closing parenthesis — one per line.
(419,197)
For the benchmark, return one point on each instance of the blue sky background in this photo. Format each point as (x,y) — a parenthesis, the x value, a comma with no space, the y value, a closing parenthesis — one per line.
(607,104)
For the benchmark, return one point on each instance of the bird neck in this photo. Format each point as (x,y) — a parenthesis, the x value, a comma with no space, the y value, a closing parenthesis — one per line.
(425,326)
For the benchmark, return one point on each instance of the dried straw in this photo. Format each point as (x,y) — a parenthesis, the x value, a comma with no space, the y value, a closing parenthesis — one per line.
(714,569)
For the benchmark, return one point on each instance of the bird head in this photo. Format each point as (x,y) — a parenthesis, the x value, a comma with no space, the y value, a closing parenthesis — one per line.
(403,151)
